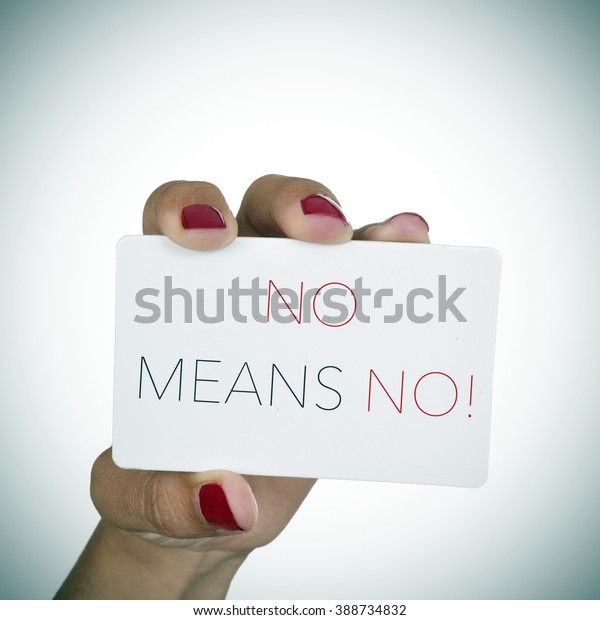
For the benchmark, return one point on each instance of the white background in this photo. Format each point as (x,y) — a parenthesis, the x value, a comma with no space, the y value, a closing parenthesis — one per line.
(482,116)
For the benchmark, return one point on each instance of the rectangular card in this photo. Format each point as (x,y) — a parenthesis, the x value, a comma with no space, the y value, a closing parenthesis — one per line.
(363,361)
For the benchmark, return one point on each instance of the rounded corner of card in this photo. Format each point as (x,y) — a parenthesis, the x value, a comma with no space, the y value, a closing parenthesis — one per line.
(480,481)
(496,255)
(117,458)
(124,240)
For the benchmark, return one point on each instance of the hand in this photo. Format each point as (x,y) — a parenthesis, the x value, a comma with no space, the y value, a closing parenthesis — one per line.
(184,535)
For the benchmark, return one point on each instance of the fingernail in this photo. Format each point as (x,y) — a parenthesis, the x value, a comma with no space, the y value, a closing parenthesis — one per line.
(215,508)
(408,213)
(318,204)
(201,216)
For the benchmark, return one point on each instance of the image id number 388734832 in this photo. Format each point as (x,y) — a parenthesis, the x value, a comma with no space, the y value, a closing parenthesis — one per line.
(370,610)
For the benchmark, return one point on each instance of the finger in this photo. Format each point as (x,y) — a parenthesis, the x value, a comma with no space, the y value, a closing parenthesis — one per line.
(173,504)
(407,227)
(193,214)
(280,206)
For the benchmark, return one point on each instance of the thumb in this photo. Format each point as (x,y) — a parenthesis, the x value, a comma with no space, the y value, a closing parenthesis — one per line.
(173,504)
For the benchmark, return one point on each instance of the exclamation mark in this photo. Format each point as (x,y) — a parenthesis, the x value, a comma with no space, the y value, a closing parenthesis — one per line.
(471,393)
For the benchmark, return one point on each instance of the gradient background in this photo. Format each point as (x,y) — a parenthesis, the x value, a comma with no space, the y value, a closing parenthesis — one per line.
(483,116)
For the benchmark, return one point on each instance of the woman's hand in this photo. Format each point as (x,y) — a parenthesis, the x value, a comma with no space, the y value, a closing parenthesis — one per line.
(184,535)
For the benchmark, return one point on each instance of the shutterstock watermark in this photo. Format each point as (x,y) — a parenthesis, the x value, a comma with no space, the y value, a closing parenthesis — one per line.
(333,304)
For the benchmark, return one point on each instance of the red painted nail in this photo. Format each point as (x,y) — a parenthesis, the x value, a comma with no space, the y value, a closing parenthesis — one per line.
(215,508)
(408,213)
(318,204)
(201,216)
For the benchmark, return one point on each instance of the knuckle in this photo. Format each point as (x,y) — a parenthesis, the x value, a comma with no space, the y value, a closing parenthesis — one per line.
(165,507)
(174,193)
(184,191)
(151,499)
(97,478)
(158,193)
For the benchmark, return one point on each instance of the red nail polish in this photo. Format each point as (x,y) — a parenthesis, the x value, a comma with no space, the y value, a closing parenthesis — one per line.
(408,213)
(318,204)
(201,216)
(215,508)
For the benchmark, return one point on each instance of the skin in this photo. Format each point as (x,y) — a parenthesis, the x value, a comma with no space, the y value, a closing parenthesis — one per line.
(152,541)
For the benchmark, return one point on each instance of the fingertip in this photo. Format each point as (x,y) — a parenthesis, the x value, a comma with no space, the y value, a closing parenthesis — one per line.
(199,226)
(407,218)
(194,215)
(227,503)
(405,227)
(322,220)
(293,207)
(198,216)
(216,508)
